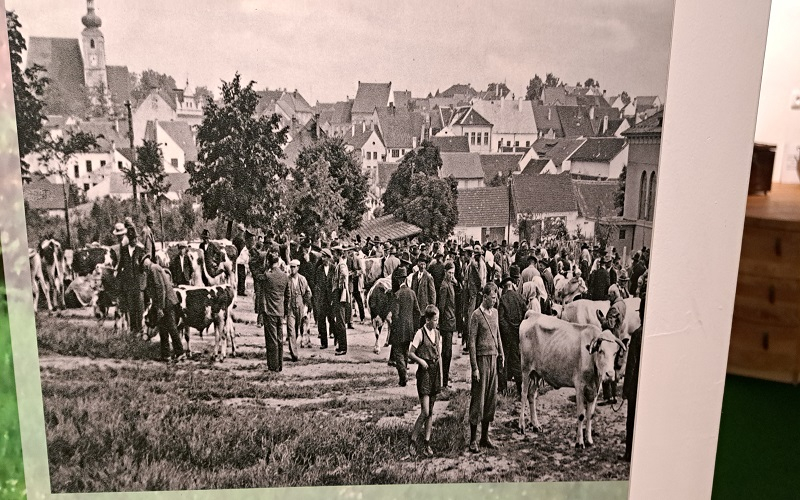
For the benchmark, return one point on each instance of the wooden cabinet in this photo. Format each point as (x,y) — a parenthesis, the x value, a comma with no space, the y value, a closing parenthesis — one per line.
(765,338)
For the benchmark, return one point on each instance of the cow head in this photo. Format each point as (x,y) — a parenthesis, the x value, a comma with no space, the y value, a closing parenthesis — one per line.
(604,350)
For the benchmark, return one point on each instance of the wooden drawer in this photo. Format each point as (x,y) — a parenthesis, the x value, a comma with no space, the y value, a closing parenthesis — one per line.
(770,252)
(764,351)
(765,300)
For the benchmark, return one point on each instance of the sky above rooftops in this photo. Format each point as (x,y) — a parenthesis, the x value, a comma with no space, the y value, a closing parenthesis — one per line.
(324,48)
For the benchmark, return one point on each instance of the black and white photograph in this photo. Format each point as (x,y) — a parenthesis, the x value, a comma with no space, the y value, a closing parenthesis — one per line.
(302,243)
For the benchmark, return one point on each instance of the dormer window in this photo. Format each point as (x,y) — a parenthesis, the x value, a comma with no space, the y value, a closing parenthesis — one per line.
(91,43)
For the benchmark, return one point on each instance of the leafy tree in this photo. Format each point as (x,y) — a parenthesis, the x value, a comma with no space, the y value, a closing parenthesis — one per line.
(535,88)
(591,82)
(29,88)
(619,194)
(498,180)
(345,173)
(551,80)
(239,175)
(143,84)
(148,174)
(417,195)
(316,204)
(56,155)
(500,88)
(202,93)
(426,159)
(625,98)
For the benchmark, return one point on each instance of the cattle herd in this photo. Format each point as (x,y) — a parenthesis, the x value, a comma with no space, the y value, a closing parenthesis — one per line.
(569,345)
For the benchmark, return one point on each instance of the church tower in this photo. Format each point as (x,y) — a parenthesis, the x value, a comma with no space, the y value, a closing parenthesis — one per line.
(94,50)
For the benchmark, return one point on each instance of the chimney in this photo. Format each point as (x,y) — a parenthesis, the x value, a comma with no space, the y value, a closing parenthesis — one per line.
(363,127)
(549,113)
(316,122)
(591,112)
(414,143)
(605,124)
(116,125)
(353,130)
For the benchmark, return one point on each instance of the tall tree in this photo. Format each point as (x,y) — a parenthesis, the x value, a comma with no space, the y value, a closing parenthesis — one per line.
(150,79)
(619,194)
(316,205)
(535,88)
(591,82)
(426,160)
(625,98)
(346,176)
(417,195)
(29,88)
(551,80)
(239,175)
(202,93)
(56,155)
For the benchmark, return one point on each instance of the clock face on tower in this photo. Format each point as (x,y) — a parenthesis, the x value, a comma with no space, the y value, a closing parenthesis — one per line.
(93,60)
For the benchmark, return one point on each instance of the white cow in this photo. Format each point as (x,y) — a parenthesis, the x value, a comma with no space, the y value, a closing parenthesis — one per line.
(565,355)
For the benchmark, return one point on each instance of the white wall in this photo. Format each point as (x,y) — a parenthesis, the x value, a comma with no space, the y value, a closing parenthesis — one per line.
(777,123)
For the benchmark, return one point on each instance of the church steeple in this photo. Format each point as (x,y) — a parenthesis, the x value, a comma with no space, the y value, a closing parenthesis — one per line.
(91,19)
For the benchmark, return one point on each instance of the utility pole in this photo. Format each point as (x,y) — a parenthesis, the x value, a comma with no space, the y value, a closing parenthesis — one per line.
(133,161)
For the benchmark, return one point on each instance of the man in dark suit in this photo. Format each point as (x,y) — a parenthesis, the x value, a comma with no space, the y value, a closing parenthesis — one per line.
(405,321)
(180,266)
(323,296)
(132,280)
(211,256)
(600,280)
(276,296)
(423,285)
(161,295)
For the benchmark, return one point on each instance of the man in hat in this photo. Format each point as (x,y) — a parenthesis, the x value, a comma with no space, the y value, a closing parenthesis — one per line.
(614,321)
(532,270)
(573,288)
(502,261)
(447,318)
(436,270)
(275,292)
(323,297)
(148,240)
(258,266)
(391,262)
(600,280)
(340,293)
(358,273)
(120,232)
(308,262)
(131,280)
(211,257)
(423,285)
(161,296)
(511,313)
(297,311)
(405,321)
(180,266)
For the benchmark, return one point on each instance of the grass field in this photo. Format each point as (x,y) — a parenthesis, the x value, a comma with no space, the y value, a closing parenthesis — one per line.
(118,420)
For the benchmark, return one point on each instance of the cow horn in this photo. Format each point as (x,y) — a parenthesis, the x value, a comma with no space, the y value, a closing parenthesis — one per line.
(621,344)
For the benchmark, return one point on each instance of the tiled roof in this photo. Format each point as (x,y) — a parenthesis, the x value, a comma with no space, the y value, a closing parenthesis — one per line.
(650,126)
(293,103)
(399,126)
(461,166)
(574,121)
(483,207)
(385,171)
(181,133)
(613,126)
(594,195)
(599,114)
(535,166)
(543,194)
(370,96)
(646,101)
(451,144)
(119,83)
(468,116)
(446,102)
(546,118)
(358,136)
(336,113)
(62,59)
(41,194)
(459,89)
(507,116)
(302,136)
(557,96)
(599,149)
(127,153)
(388,228)
(104,128)
(118,184)
(266,100)
(178,182)
(502,163)
(558,150)
(592,100)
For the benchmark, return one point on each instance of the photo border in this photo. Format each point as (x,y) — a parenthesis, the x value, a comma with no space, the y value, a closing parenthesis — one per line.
(716,57)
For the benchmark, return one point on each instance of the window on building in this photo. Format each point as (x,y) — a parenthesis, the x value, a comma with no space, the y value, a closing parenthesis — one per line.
(643,196)
(119,165)
(472,138)
(516,144)
(85,187)
(527,144)
(622,234)
(479,139)
(174,162)
(651,196)
(499,144)
(395,153)
(88,166)
(102,163)
(508,144)
(486,138)
(91,43)
(369,155)
(77,170)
